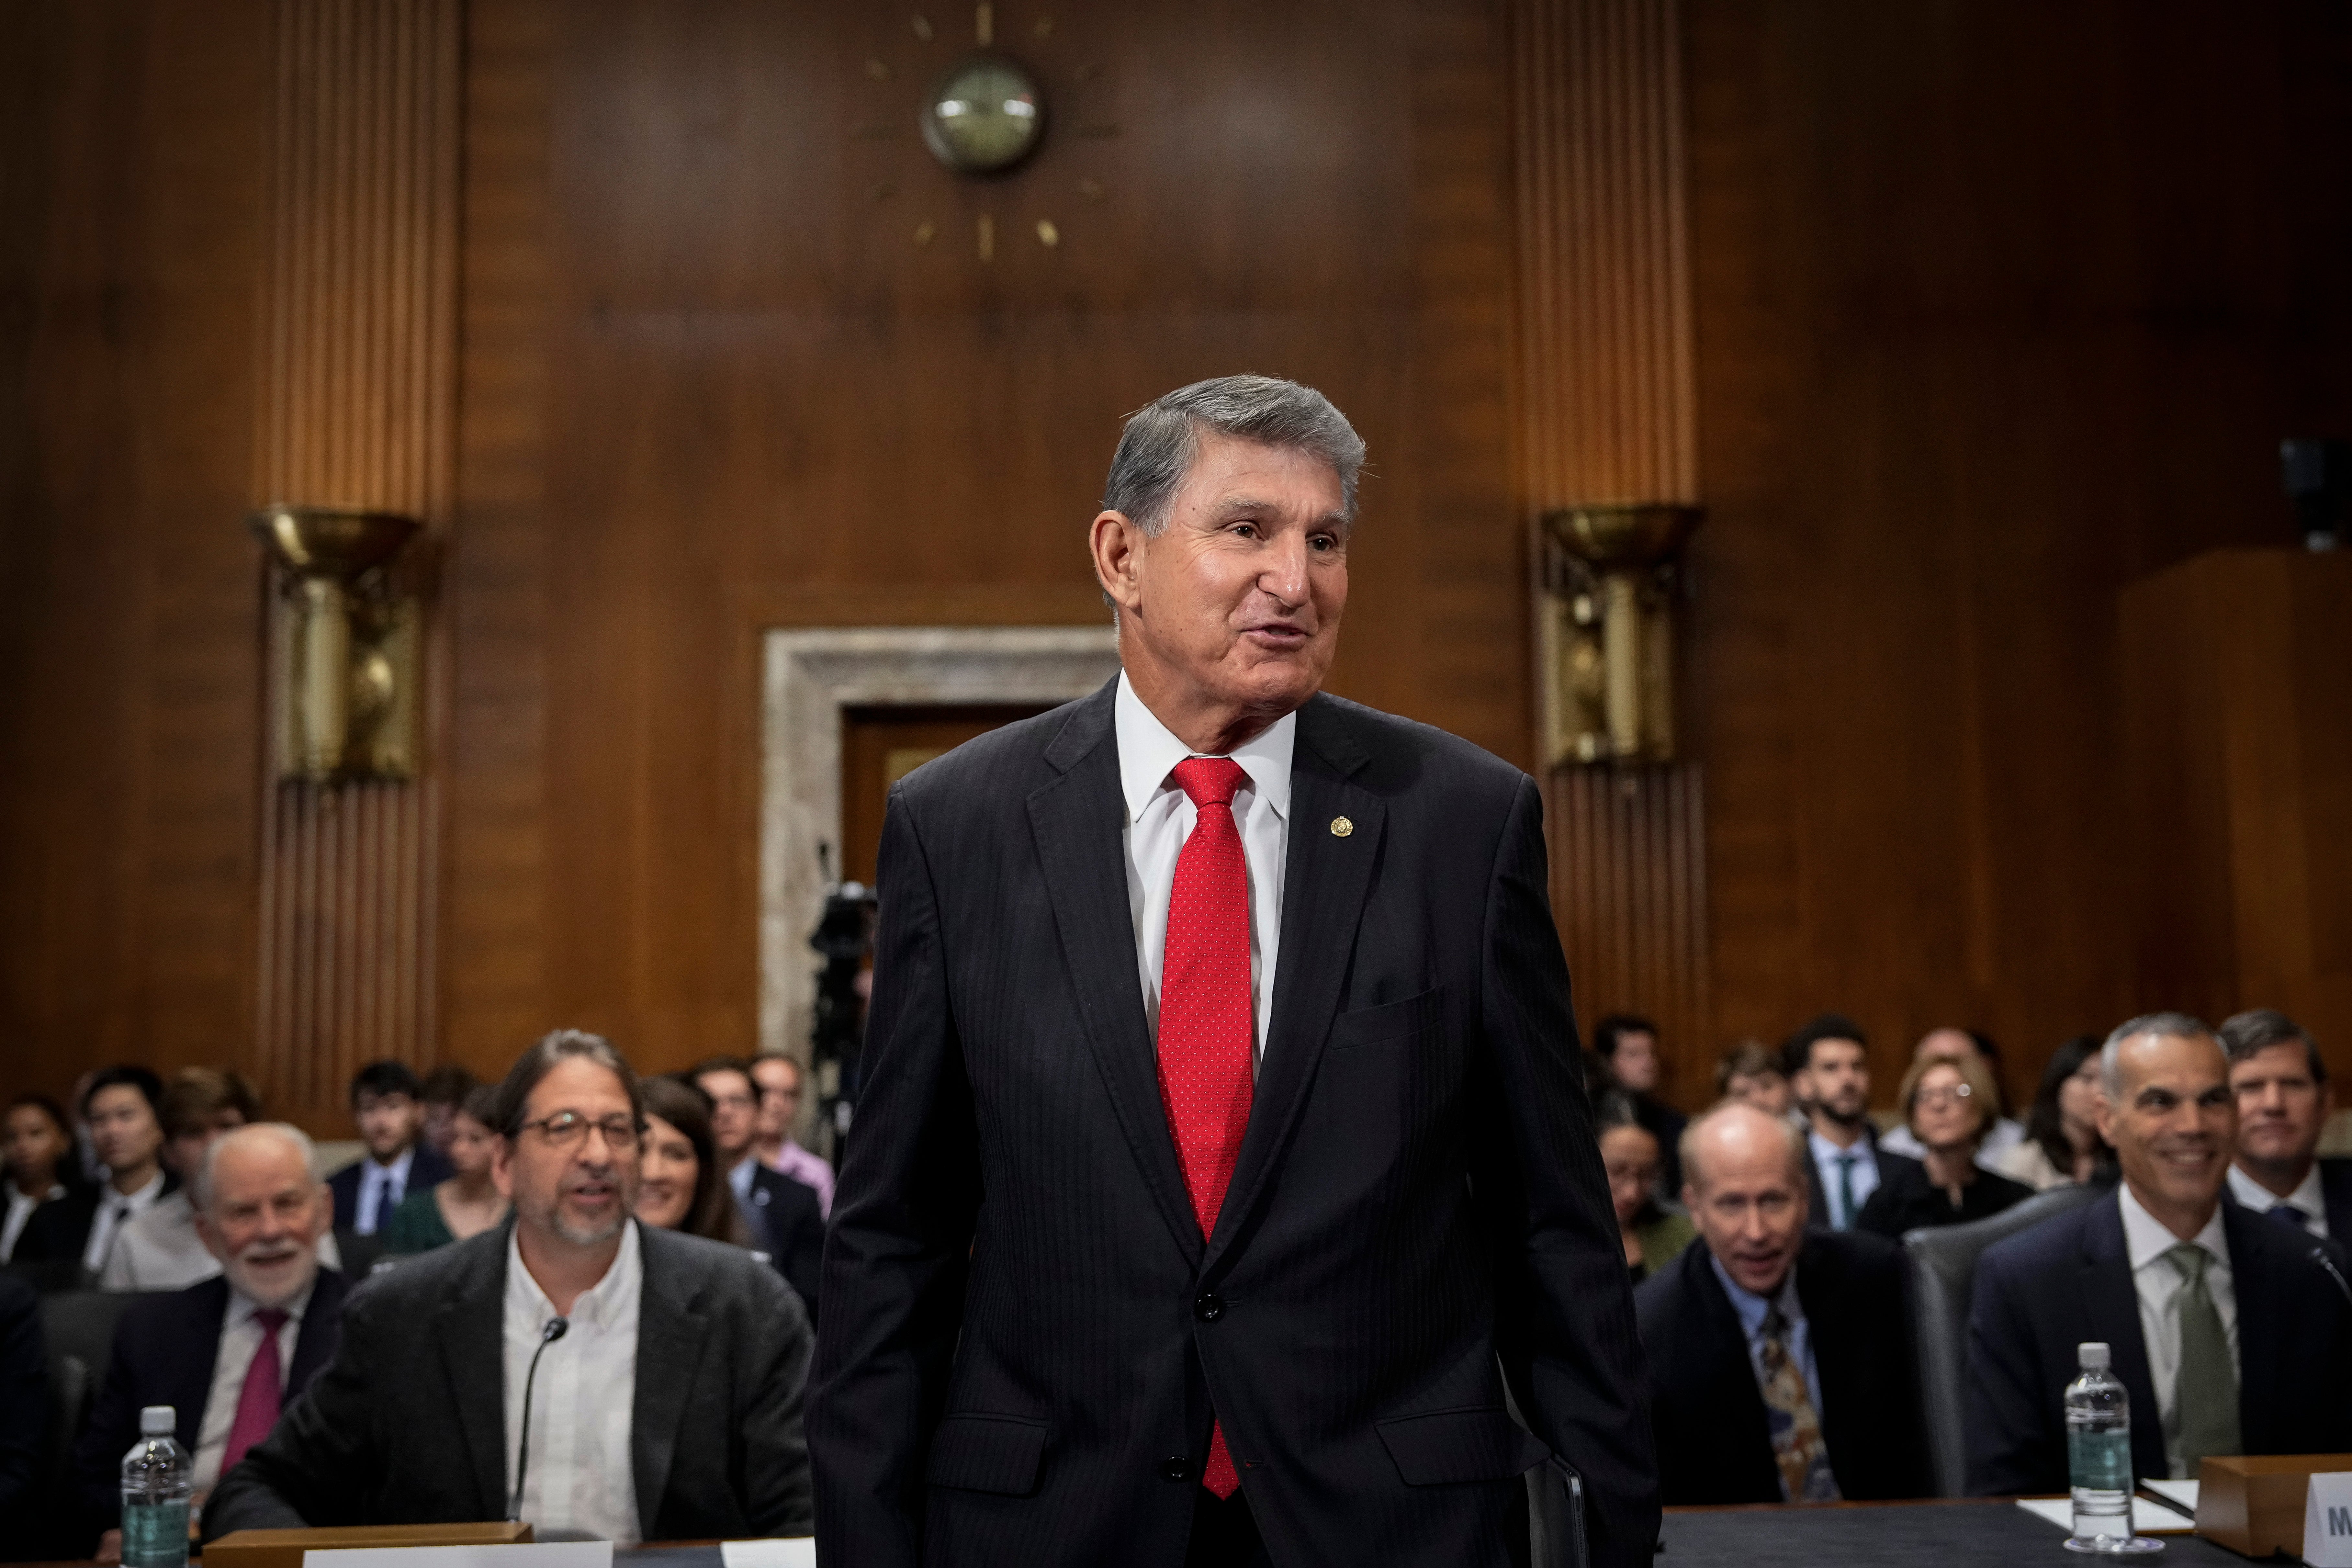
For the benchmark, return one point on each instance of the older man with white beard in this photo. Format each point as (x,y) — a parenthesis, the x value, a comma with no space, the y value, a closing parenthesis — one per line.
(229,1352)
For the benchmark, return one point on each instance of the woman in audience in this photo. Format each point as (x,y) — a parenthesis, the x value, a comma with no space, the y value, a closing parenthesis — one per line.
(679,1183)
(1650,1232)
(36,1143)
(467,1203)
(2062,1143)
(1948,1105)
(1753,1073)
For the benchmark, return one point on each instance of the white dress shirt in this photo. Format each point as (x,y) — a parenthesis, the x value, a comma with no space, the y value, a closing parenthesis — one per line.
(115,1210)
(381,1189)
(2158,1284)
(20,1209)
(1160,817)
(581,1483)
(2308,1201)
(1826,1156)
(240,1338)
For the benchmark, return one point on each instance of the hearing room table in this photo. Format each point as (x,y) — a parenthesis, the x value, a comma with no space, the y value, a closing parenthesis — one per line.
(1965,1532)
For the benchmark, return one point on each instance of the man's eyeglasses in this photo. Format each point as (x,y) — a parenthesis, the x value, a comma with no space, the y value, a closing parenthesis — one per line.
(567,1129)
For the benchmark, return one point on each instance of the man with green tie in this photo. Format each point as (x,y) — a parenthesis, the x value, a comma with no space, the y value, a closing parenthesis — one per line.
(2227,1329)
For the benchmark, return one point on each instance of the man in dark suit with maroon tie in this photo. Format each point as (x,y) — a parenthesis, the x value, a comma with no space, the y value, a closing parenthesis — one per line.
(1222,1152)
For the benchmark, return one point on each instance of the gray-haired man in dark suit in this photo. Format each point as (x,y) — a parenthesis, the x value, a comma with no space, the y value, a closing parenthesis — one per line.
(668,1407)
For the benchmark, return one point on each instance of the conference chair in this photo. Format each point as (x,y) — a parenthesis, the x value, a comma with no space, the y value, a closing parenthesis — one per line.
(1942,1261)
(79,1327)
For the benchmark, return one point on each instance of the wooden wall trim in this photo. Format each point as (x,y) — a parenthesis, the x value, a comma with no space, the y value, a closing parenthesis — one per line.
(1607,411)
(357,408)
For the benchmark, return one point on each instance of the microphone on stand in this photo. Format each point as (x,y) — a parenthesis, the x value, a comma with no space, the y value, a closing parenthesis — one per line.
(2319,1255)
(555,1329)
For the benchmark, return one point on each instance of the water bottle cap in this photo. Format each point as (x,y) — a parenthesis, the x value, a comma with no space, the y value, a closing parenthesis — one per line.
(2094,1356)
(157,1420)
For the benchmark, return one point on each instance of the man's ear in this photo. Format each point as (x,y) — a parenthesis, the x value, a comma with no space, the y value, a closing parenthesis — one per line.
(502,1168)
(1117,544)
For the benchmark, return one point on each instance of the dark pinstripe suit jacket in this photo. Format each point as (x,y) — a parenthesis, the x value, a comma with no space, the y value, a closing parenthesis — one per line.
(1025,1333)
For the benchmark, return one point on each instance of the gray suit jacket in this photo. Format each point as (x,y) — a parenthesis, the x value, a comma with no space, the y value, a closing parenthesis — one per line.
(407,1424)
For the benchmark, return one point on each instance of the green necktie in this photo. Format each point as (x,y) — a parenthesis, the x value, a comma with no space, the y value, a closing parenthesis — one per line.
(2205,1399)
(1843,1218)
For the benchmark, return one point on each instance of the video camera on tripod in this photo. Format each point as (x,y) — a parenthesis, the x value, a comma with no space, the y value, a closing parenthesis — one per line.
(843,937)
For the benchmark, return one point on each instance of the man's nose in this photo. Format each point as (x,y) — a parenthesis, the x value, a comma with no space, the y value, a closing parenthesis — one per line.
(1285,576)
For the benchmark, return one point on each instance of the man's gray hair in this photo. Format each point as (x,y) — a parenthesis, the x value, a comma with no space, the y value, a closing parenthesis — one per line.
(200,1185)
(2175,1026)
(1800,1152)
(1161,438)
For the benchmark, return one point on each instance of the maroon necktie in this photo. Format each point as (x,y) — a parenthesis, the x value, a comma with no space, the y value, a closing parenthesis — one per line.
(1205,1016)
(257,1403)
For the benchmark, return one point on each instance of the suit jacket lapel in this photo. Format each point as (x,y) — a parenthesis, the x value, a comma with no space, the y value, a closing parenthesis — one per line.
(671,1329)
(470,1328)
(2111,1304)
(1077,820)
(2254,1258)
(1323,888)
(1730,1376)
(191,1381)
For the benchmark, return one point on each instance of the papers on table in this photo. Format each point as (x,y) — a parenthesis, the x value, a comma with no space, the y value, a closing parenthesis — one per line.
(2148,1518)
(2181,1495)
(800,1551)
(544,1554)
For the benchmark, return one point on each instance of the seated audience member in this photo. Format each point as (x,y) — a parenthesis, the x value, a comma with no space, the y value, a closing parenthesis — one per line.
(228,1353)
(1653,1233)
(778,1079)
(1829,1068)
(669,1407)
(1753,1075)
(2223,1327)
(24,1402)
(122,1108)
(160,1250)
(444,1093)
(389,1111)
(1946,1104)
(2283,1103)
(36,1145)
(2002,1132)
(682,1188)
(468,1203)
(1780,1364)
(1628,1047)
(784,1216)
(2062,1144)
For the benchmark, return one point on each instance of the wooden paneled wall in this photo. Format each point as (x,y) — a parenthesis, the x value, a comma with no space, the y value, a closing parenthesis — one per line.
(357,408)
(1607,410)
(1988,311)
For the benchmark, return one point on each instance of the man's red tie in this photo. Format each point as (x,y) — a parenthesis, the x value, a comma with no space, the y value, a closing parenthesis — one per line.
(1206,1021)
(256,1405)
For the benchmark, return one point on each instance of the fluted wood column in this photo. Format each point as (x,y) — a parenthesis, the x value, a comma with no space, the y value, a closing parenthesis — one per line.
(357,389)
(1606,411)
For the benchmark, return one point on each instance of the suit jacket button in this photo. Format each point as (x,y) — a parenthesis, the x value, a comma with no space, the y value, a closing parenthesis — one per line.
(1210,1307)
(1176,1467)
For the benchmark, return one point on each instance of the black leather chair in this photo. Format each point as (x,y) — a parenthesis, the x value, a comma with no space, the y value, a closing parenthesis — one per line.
(1943,1268)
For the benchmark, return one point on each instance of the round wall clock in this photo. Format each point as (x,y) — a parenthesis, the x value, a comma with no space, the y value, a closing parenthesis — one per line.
(986,114)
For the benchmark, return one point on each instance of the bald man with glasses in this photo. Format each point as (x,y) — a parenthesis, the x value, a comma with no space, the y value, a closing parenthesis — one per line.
(663,1373)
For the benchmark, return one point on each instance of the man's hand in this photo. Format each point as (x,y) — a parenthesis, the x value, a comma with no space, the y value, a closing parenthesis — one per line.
(110,1547)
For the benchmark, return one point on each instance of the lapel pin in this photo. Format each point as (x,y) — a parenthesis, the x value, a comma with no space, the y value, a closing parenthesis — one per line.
(1341,827)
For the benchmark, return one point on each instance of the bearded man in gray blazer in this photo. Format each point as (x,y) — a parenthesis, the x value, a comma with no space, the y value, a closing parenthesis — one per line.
(666,1406)
(1222,1152)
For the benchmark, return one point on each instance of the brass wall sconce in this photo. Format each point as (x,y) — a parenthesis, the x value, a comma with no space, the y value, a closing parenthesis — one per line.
(347,639)
(1606,579)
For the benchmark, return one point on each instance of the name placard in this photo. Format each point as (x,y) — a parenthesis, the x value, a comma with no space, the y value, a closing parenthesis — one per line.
(2328,1522)
(541,1555)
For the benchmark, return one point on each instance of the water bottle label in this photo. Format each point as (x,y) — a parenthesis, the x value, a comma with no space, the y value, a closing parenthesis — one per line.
(155,1534)
(2099,1461)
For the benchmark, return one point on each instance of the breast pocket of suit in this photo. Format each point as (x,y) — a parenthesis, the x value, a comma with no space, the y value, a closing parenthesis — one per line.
(1383,1079)
(1390,1021)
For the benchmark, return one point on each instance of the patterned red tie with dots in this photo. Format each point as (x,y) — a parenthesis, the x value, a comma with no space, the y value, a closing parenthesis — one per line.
(1206,1022)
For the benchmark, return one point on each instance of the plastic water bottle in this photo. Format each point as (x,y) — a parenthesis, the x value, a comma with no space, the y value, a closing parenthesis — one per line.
(158,1477)
(2099,1457)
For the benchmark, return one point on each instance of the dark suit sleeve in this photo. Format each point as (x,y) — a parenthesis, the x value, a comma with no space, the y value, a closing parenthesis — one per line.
(1565,1310)
(314,1465)
(24,1390)
(2010,1437)
(896,1260)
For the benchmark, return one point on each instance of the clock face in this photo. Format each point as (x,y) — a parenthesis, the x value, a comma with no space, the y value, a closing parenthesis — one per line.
(984,115)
